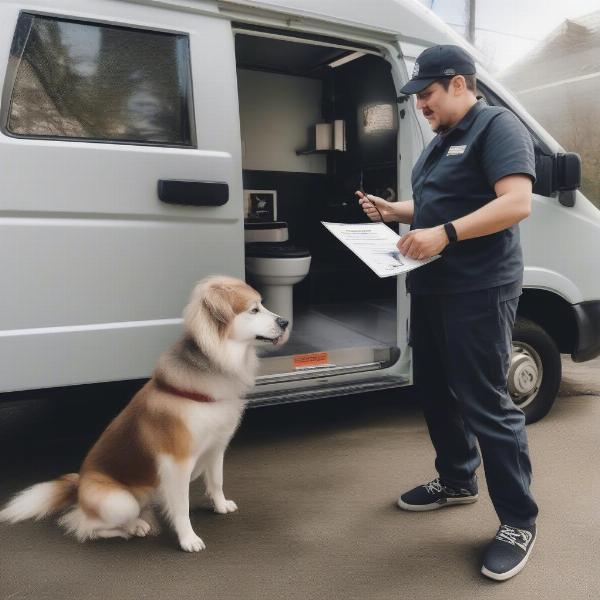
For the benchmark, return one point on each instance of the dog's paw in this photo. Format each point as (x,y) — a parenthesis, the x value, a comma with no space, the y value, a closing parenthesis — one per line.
(139,528)
(225,507)
(191,543)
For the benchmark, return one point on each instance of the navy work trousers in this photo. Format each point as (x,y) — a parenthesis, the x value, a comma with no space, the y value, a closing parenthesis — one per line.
(461,346)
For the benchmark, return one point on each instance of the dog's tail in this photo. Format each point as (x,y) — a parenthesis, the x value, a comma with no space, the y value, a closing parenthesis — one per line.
(42,499)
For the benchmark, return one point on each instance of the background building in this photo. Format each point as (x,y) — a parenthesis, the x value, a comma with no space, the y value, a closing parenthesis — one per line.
(559,83)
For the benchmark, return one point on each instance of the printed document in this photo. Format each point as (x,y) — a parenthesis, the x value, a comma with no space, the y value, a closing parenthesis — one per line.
(375,245)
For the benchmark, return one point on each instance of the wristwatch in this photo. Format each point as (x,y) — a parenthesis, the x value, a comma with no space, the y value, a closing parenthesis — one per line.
(451,233)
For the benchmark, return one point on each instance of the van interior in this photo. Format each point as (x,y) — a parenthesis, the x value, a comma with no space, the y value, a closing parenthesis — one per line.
(319,120)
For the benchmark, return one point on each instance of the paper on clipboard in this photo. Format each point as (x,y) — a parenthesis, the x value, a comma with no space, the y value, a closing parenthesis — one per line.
(375,245)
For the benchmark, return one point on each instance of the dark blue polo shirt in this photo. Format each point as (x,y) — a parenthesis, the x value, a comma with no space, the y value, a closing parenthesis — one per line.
(454,176)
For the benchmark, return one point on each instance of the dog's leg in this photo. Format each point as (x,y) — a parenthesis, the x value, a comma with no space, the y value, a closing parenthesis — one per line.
(138,527)
(198,470)
(114,508)
(145,524)
(175,492)
(149,517)
(214,482)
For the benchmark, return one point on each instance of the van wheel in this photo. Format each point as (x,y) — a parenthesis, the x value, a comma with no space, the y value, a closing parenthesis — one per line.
(535,370)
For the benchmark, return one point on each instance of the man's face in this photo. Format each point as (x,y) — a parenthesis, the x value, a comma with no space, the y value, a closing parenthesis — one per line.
(438,106)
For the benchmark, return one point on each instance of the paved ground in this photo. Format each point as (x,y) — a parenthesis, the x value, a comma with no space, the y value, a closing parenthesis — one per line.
(316,485)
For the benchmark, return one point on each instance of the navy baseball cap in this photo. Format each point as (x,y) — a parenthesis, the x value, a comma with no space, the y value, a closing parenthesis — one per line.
(438,62)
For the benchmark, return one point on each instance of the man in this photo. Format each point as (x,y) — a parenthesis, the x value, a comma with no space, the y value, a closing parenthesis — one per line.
(471,187)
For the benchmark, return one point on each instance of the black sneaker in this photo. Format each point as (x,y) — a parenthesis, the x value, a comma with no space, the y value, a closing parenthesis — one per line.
(434,495)
(508,552)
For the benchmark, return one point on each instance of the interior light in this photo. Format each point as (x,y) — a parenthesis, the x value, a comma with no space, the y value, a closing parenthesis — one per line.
(378,117)
(345,59)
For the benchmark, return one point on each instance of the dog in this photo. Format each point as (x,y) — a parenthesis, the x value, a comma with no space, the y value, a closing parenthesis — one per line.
(176,428)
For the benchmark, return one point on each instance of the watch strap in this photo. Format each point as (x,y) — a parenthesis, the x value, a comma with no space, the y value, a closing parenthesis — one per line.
(451,232)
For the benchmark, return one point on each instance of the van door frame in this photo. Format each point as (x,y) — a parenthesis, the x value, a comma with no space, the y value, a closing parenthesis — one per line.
(272,388)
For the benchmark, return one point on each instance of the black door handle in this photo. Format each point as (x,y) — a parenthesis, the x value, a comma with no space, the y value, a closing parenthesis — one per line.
(193,193)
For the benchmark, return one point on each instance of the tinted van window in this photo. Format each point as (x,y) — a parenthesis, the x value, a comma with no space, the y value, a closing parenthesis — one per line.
(87,81)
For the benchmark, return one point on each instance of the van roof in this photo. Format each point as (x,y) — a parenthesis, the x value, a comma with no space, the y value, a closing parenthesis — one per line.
(406,20)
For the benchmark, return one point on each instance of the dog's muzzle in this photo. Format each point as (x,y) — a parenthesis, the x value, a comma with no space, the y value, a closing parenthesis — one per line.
(282,324)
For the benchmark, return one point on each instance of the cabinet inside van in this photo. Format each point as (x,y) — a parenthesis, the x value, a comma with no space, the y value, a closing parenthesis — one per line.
(318,122)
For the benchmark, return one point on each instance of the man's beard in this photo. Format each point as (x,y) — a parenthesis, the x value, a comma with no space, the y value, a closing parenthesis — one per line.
(441,129)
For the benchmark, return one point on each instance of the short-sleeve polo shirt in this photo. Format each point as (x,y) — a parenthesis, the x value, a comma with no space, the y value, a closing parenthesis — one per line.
(454,176)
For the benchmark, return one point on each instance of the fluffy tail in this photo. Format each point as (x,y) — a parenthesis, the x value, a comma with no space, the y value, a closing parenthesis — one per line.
(42,499)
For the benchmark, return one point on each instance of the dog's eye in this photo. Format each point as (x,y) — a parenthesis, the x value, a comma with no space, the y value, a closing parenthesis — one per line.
(254,311)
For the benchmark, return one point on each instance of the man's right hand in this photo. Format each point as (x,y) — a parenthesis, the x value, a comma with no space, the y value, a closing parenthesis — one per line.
(371,204)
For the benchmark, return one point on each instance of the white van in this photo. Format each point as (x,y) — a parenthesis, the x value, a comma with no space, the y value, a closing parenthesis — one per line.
(145,144)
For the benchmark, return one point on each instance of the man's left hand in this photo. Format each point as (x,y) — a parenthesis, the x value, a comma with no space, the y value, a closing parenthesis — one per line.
(423,243)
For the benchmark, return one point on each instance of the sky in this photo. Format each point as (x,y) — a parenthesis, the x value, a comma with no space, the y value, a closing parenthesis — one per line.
(508,29)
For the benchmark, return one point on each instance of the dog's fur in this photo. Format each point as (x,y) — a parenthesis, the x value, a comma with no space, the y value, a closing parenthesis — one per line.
(176,428)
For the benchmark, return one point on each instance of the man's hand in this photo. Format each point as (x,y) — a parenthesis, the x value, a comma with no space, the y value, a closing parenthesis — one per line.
(423,243)
(371,204)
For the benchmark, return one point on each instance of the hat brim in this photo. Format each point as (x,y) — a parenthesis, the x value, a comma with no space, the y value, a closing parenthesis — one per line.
(414,86)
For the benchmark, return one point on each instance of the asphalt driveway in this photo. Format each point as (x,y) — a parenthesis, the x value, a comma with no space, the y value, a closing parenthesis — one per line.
(316,485)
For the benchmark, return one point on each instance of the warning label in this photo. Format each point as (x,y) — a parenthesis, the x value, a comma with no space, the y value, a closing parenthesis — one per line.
(313,359)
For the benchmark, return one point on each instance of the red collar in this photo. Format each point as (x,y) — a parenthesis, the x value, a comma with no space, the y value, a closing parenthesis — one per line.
(165,387)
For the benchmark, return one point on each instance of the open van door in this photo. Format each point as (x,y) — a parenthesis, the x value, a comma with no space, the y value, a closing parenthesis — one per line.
(120,183)
(349,333)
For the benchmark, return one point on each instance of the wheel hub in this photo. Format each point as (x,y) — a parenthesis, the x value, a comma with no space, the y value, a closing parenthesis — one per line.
(523,375)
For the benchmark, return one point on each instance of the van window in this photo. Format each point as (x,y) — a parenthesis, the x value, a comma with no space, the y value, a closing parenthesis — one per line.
(94,82)
(543,181)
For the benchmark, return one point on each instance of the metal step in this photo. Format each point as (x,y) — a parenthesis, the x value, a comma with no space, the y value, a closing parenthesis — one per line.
(258,398)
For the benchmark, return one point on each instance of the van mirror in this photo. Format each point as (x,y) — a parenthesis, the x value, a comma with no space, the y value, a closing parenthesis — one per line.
(567,173)
(557,173)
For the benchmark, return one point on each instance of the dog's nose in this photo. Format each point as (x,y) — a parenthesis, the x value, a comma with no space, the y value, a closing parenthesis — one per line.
(283,323)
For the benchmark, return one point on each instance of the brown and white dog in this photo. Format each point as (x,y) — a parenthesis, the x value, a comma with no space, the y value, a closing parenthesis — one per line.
(176,428)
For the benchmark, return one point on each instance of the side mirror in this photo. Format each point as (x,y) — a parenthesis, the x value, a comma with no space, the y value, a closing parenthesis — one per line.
(567,172)
(558,173)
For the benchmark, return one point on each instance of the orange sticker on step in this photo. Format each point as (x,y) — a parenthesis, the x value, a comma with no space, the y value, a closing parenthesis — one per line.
(313,359)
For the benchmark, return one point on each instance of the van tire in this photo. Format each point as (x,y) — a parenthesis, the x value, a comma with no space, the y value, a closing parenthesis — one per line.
(535,357)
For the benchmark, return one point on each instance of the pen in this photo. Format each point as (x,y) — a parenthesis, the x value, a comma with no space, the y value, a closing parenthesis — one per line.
(364,193)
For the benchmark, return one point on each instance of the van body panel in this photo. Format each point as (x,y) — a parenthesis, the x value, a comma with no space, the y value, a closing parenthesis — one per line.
(85,217)
(559,248)
(395,19)
(63,356)
(546,279)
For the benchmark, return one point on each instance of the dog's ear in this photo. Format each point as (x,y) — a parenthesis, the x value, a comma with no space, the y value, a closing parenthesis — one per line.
(218,302)
(209,312)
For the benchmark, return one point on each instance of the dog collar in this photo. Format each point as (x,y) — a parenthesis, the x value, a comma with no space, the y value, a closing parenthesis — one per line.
(184,394)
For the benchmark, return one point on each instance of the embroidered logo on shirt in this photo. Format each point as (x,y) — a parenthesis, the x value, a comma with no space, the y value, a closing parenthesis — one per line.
(454,150)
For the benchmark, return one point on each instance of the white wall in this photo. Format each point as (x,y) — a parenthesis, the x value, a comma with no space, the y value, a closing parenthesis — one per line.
(275,113)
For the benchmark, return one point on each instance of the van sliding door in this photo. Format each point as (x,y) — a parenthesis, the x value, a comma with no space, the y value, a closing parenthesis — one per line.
(121,185)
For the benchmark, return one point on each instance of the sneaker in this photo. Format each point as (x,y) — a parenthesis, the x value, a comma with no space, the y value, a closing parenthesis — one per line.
(433,495)
(508,552)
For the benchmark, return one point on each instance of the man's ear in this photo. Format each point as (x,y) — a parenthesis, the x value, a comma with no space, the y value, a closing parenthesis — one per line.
(459,85)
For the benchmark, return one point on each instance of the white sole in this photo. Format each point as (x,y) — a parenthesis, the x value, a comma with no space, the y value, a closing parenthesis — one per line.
(434,505)
(516,569)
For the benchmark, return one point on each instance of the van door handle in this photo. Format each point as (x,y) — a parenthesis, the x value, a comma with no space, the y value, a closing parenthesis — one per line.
(193,193)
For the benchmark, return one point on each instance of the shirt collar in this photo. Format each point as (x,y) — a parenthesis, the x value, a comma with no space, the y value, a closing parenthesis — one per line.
(468,119)
(464,123)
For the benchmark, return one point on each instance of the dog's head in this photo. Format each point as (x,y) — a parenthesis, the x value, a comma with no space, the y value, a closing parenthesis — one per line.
(223,308)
